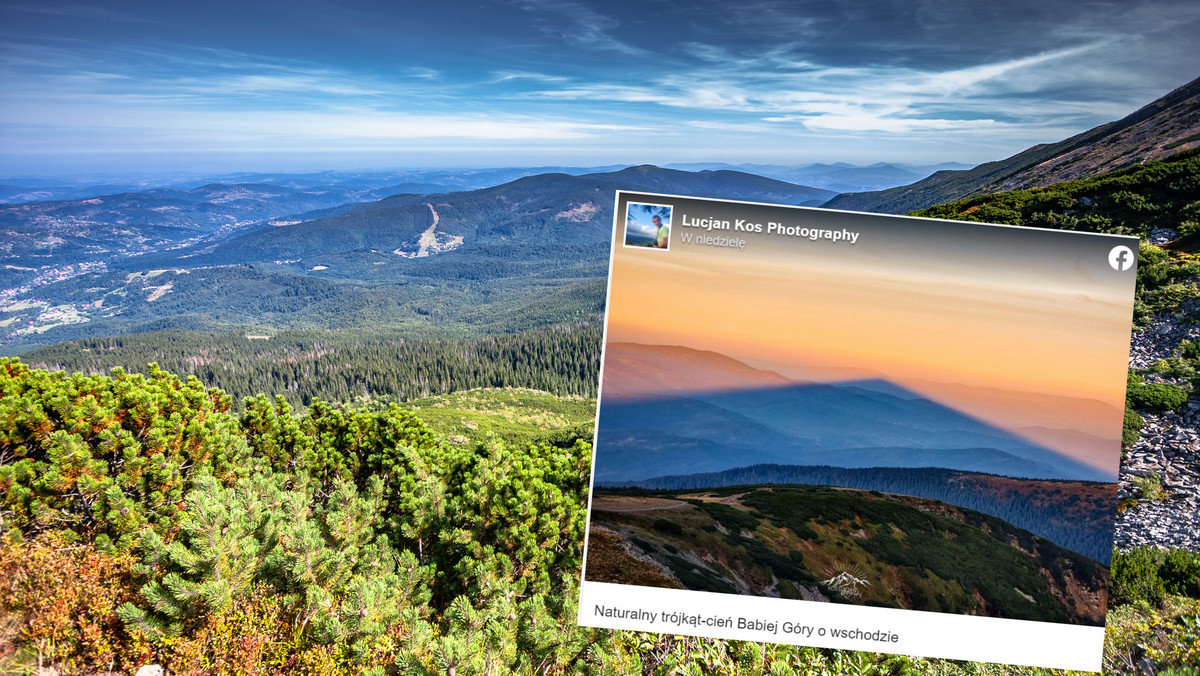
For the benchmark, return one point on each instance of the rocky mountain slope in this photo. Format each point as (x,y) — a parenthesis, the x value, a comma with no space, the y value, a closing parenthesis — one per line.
(1160,477)
(1167,126)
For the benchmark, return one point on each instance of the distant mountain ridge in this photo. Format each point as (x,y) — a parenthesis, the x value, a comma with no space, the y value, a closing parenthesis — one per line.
(837,176)
(543,210)
(639,371)
(1168,125)
(379,183)
(108,227)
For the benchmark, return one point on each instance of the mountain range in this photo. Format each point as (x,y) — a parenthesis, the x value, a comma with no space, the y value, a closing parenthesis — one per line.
(368,185)
(546,210)
(1169,125)
(109,227)
(525,253)
(837,176)
(267,252)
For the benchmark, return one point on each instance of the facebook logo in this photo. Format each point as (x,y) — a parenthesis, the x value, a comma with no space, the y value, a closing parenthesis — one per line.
(1121,258)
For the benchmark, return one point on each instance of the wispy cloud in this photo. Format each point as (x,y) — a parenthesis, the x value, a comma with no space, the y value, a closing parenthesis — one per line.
(233,98)
(780,88)
(422,73)
(578,25)
(146,74)
(511,75)
(150,128)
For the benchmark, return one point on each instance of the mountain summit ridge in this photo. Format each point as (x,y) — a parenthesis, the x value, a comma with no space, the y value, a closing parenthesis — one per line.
(1163,128)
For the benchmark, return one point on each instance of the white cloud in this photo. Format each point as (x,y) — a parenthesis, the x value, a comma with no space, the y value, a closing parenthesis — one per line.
(510,75)
(198,98)
(577,79)
(150,126)
(422,73)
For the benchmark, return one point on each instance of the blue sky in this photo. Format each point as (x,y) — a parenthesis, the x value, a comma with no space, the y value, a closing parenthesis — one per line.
(310,84)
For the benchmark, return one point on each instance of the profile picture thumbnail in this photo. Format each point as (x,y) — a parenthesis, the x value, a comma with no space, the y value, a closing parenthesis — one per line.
(648,225)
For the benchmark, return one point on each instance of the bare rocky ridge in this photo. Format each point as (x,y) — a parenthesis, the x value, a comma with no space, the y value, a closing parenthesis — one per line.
(1169,445)
(1155,132)
(1165,127)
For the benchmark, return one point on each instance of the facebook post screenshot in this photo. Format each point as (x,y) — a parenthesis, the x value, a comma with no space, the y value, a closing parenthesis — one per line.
(858,431)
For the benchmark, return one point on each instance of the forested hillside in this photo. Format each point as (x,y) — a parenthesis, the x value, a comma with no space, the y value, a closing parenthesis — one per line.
(344,366)
(145,522)
(326,543)
(528,253)
(107,226)
(1077,515)
(1134,201)
(793,541)
(548,210)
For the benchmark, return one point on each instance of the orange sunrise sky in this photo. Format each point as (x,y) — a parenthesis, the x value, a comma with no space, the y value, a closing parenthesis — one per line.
(1017,340)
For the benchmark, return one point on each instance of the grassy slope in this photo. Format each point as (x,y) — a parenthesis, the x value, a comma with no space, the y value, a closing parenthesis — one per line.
(516,415)
(914,553)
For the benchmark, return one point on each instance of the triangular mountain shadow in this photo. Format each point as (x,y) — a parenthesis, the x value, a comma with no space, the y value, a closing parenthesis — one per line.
(864,423)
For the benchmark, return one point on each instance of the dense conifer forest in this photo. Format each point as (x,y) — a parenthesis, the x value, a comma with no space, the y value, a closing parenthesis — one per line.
(301,366)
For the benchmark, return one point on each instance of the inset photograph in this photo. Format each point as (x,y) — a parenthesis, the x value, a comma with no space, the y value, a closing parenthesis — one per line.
(848,423)
(648,226)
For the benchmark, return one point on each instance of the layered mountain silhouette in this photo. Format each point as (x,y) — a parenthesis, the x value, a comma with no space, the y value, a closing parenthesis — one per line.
(653,370)
(756,420)
(1167,126)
